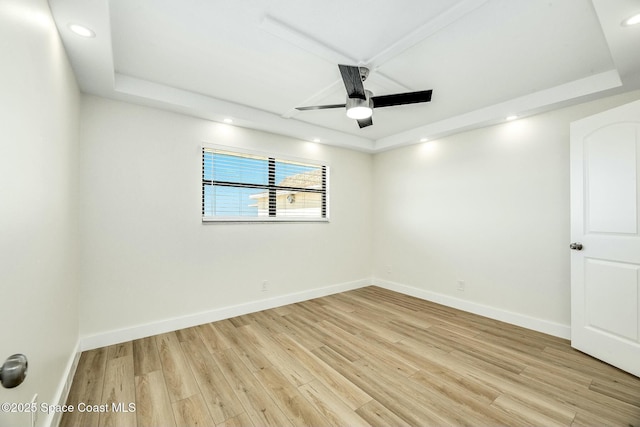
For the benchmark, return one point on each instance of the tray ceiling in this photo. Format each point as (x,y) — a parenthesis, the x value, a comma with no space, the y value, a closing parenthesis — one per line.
(255,61)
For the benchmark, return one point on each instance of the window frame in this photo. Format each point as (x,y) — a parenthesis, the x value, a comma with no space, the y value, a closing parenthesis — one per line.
(270,187)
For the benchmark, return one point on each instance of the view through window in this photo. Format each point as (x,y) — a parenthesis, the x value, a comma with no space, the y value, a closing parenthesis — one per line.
(245,187)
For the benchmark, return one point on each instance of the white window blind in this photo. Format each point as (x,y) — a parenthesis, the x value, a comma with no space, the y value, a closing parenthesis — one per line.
(254,187)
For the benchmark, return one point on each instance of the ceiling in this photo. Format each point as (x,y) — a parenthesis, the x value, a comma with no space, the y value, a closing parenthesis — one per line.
(254,61)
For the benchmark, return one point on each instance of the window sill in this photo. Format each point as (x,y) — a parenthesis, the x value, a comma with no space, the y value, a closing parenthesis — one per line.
(263,220)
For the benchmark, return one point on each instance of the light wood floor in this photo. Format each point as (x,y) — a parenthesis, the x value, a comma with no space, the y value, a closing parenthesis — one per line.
(364,357)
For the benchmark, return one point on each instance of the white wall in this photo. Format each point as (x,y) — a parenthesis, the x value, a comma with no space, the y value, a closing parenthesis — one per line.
(38,202)
(489,207)
(147,257)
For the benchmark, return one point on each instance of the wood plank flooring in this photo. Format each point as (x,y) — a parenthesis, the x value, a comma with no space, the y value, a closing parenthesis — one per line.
(364,357)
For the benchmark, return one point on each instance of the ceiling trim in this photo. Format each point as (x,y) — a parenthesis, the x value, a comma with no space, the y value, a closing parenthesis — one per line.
(305,42)
(493,114)
(145,92)
(428,29)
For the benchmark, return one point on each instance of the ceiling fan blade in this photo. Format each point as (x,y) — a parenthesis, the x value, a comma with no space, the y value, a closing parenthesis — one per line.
(321,107)
(402,98)
(352,81)
(363,123)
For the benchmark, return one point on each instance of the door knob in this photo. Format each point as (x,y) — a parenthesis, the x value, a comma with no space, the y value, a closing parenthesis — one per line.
(13,371)
(576,246)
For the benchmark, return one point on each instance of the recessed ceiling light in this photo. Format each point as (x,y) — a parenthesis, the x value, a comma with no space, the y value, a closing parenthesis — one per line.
(82,31)
(512,117)
(424,139)
(632,20)
(316,140)
(228,121)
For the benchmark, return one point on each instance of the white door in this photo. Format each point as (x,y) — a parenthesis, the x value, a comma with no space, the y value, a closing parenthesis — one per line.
(605,271)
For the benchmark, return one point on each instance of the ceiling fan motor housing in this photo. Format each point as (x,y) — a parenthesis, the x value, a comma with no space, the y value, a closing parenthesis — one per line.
(364,73)
(360,108)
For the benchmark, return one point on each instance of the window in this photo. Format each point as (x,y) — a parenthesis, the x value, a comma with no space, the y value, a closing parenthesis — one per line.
(253,187)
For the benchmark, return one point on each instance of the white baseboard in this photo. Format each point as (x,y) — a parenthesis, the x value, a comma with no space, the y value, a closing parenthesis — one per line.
(168,325)
(536,324)
(62,393)
(173,324)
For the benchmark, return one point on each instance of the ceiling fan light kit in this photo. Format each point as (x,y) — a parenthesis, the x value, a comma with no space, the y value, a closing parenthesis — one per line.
(361,102)
(359,109)
(359,112)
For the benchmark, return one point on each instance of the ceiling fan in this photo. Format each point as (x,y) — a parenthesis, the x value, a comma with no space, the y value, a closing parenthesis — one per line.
(361,102)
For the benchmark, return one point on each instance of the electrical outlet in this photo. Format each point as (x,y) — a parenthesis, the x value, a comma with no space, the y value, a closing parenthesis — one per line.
(389,270)
(34,410)
(265,286)
(461,285)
